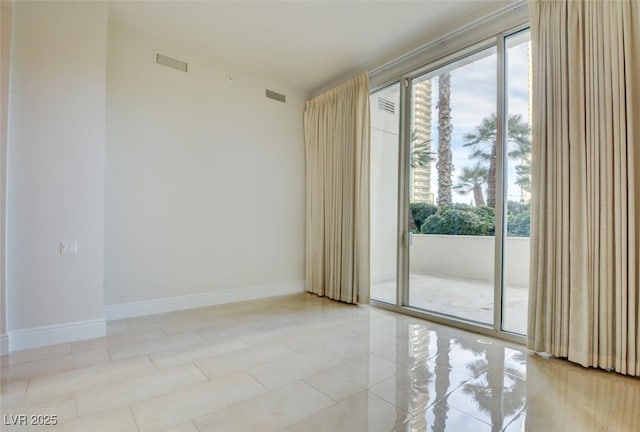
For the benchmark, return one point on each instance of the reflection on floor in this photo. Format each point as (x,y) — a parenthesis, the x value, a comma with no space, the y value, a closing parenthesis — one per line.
(464,298)
(302,363)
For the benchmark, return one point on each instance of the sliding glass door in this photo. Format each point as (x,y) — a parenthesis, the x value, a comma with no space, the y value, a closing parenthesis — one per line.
(450,187)
(517,184)
(452,197)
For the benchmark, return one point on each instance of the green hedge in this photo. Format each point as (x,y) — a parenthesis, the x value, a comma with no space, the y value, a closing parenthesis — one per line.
(460,219)
(463,219)
(420,211)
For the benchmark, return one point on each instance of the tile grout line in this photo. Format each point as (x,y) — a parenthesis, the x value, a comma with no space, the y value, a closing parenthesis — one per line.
(193,422)
(27,362)
(407,412)
(26,389)
(135,420)
(515,416)
(335,402)
(259,382)
(75,404)
(148,356)
(201,371)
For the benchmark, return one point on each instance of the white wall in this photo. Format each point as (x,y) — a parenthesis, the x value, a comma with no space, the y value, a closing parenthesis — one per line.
(56,169)
(204,177)
(384,156)
(6,17)
(470,257)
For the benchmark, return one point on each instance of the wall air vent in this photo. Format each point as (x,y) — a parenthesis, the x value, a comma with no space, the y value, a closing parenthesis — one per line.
(276,96)
(386,105)
(176,64)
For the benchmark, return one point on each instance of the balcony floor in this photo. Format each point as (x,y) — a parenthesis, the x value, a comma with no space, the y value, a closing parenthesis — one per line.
(462,298)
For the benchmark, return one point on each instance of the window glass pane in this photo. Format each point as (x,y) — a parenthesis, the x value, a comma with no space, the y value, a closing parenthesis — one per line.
(452,188)
(518,183)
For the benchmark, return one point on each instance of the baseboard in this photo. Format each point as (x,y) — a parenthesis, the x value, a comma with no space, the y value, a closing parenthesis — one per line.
(55,334)
(170,304)
(4,344)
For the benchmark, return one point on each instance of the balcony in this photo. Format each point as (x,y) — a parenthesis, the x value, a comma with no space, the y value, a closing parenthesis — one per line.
(453,275)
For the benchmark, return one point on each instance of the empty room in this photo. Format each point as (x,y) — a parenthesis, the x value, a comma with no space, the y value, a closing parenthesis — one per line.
(320,215)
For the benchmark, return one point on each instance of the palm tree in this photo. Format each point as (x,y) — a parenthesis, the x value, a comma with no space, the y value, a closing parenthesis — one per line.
(523,173)
(496,391)
(483,143)
(445,163)
(471,180)
(443,382)
(420,151)
(522,152)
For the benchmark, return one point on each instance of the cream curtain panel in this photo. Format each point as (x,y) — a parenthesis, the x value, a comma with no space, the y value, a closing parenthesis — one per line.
(336,133)
(584,298)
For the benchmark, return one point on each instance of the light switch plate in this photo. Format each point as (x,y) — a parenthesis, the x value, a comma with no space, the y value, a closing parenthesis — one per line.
(69,248)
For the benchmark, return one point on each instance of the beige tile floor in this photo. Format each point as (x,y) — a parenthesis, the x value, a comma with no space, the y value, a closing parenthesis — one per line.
(302,363)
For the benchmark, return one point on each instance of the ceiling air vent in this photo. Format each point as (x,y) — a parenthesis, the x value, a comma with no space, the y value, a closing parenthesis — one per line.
(176,64)
(276,96)
(386,105)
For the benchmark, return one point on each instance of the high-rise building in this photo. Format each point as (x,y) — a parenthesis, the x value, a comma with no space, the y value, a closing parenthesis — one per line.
(420,182)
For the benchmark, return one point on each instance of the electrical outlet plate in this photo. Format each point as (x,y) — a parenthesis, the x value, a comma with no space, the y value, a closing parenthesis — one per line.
(69,248)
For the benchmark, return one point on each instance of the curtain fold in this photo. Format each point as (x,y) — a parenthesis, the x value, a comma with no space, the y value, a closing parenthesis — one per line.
(336,129)
(585,257)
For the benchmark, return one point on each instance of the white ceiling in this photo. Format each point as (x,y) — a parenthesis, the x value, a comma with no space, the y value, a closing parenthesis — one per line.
(308,44)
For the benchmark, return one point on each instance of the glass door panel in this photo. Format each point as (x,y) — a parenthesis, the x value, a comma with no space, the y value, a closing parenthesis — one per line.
(385,131)
(517,183)
(452,189)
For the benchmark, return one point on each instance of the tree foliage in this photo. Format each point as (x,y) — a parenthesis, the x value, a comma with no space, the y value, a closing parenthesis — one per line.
(420,211)
(519,225)
(518,219)
(523,174)
(420,151)
(463,219)
(482,142)
(460,219)
(471,180)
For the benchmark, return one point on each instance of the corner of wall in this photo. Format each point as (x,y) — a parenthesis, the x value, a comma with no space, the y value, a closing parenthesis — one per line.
(56,122)
(191,301)
(6,21)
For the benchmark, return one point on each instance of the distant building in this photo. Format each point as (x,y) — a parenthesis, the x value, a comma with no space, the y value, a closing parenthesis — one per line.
(385,120)
(420,182)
